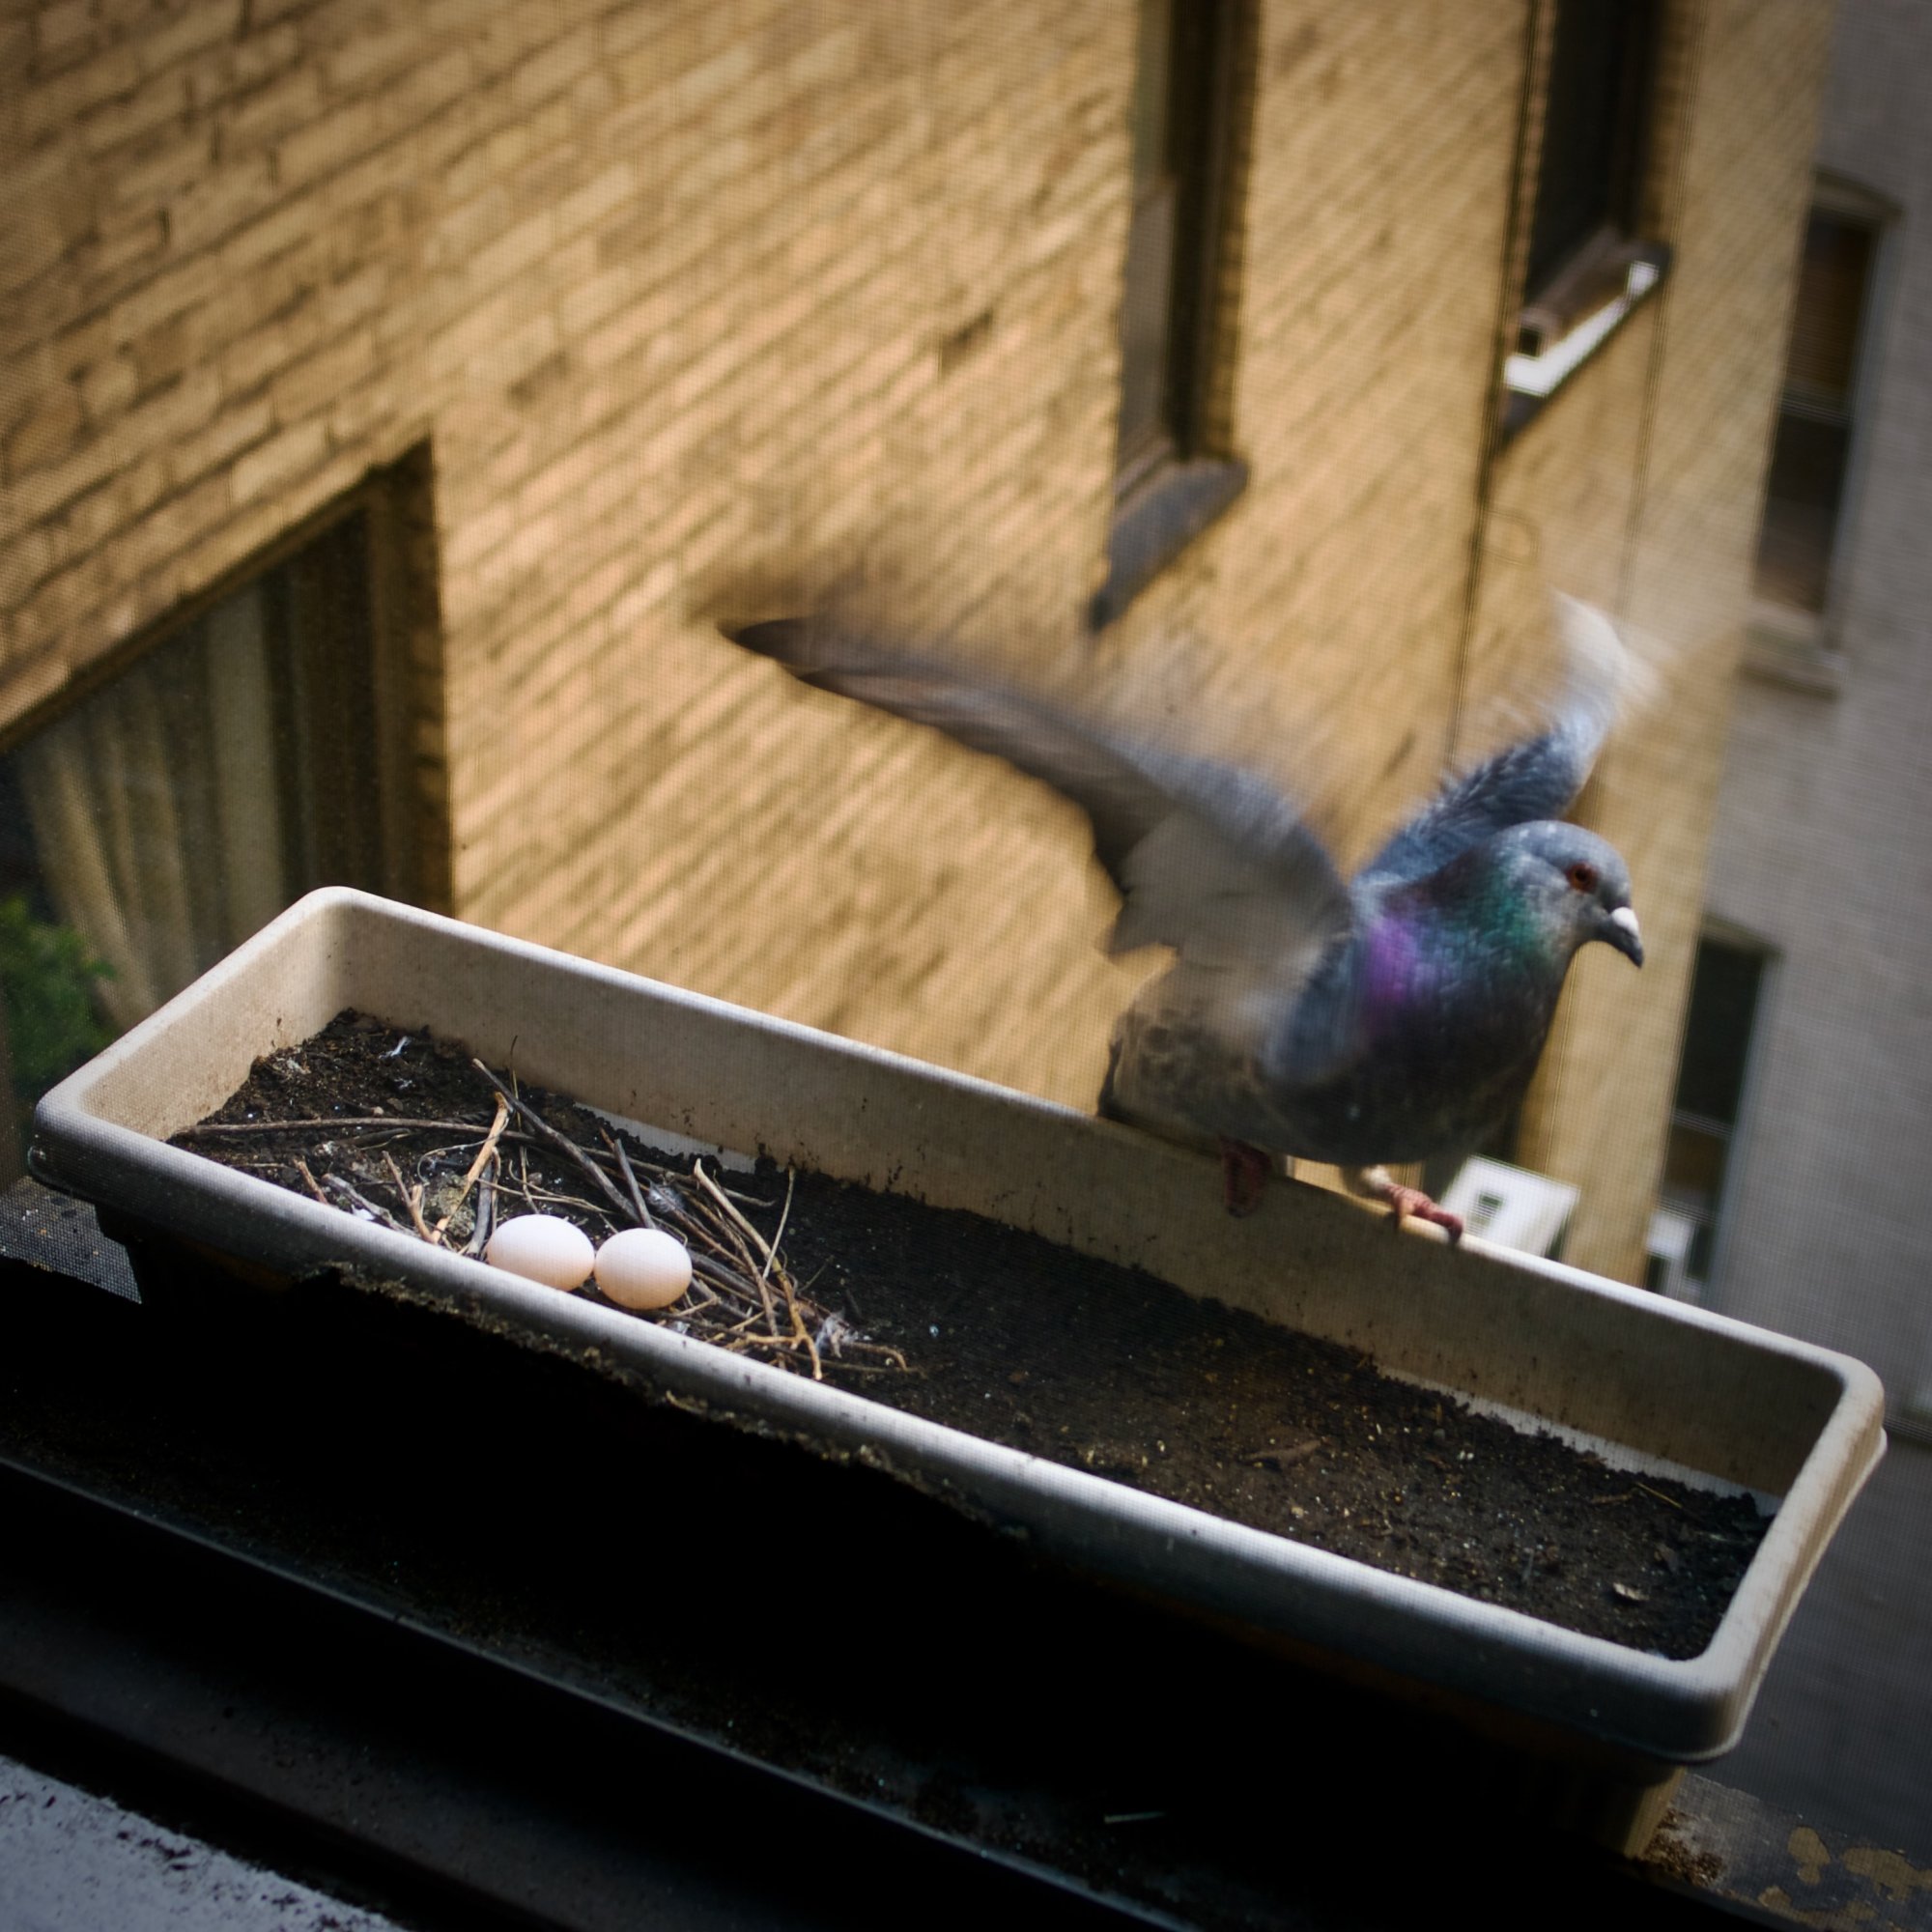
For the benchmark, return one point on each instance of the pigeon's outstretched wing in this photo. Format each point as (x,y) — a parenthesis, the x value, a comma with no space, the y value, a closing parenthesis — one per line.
(1209,859)
(1537,778)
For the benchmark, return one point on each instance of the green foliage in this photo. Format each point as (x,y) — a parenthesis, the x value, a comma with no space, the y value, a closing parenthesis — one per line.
(46,972)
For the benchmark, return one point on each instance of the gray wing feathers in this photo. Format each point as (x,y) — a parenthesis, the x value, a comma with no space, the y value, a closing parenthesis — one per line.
(1226,872)
(1208,859)
(1537,778)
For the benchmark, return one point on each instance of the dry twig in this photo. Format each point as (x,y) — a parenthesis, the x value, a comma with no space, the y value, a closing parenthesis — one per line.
(372,1210)
(564,1144)
(486,1212)
(635,1193)
(485,1154)
(332,1122)
(735,1221)
(411,1198)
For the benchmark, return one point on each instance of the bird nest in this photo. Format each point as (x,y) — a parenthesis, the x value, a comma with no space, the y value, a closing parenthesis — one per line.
(429,1142)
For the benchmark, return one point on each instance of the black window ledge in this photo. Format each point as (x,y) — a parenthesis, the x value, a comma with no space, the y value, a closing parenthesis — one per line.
(1156,523)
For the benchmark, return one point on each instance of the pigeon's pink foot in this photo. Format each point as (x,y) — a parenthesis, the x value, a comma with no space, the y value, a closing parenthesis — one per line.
(1375,1184)
(1405,1201)
(1244,1176)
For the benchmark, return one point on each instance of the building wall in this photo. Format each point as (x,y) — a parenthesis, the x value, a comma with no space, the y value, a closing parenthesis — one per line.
(666,289)
(1820,850)
(1638,487)
(701,309)
(1821,846)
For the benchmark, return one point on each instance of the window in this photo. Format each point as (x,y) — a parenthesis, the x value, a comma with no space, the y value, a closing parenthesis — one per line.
(239,759)
(1588,264)
(1726,990)
(1168,483)
(1596,107)
(1805,491)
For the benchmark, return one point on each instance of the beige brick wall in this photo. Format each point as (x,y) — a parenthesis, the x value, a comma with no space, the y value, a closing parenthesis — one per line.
(706,307)
(1639,485)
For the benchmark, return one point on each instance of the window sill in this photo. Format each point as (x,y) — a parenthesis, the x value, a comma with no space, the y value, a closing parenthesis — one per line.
(1792,648)
(1566,337)
(1156,522)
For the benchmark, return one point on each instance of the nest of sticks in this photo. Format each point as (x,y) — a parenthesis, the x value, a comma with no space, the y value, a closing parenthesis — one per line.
(320,1119)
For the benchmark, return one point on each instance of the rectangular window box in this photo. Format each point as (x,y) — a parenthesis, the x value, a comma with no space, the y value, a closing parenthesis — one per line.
(1605,1727)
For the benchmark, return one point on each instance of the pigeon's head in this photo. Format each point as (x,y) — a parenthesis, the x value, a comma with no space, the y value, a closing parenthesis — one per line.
(1576,883)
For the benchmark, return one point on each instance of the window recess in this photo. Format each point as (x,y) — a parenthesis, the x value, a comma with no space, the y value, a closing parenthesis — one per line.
(1811,479)
(1172,476)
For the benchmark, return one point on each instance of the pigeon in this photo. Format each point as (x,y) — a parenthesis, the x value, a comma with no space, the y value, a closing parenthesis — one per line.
(1363,1022)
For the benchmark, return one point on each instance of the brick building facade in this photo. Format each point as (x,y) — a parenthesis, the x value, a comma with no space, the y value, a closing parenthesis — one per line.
(620,317)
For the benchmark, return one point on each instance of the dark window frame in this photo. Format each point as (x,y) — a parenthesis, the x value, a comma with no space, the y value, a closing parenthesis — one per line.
(1790,641)
(1174,480)
(1724,1126)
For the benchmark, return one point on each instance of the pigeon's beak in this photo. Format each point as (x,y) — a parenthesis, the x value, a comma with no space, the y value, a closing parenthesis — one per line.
(1620,930)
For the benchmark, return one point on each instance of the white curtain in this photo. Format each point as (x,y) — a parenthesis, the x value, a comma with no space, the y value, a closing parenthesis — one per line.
(155,810)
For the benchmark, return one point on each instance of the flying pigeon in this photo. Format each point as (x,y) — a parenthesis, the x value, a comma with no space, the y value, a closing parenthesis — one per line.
(1382,1019)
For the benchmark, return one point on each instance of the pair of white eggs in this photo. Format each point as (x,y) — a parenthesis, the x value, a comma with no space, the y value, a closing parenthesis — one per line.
(637,1267)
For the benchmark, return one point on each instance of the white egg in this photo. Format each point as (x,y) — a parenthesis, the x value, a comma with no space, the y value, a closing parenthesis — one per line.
(643,1268)
(542,1247)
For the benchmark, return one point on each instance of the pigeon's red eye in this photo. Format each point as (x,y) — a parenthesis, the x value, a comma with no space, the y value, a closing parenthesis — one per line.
(1584,877)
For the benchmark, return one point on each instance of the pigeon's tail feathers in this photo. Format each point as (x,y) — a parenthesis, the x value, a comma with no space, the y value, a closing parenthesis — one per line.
(781,638)
(1539,776)
(804,645)
(1208,859)
(978,711)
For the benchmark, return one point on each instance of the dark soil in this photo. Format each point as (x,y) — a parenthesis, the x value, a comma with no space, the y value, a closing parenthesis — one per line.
(1104,1368)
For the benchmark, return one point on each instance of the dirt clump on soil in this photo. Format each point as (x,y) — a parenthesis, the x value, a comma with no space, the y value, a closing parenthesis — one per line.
(949,1316)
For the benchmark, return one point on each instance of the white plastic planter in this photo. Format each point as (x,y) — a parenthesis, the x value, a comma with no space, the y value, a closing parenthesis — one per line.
(1642,1379)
